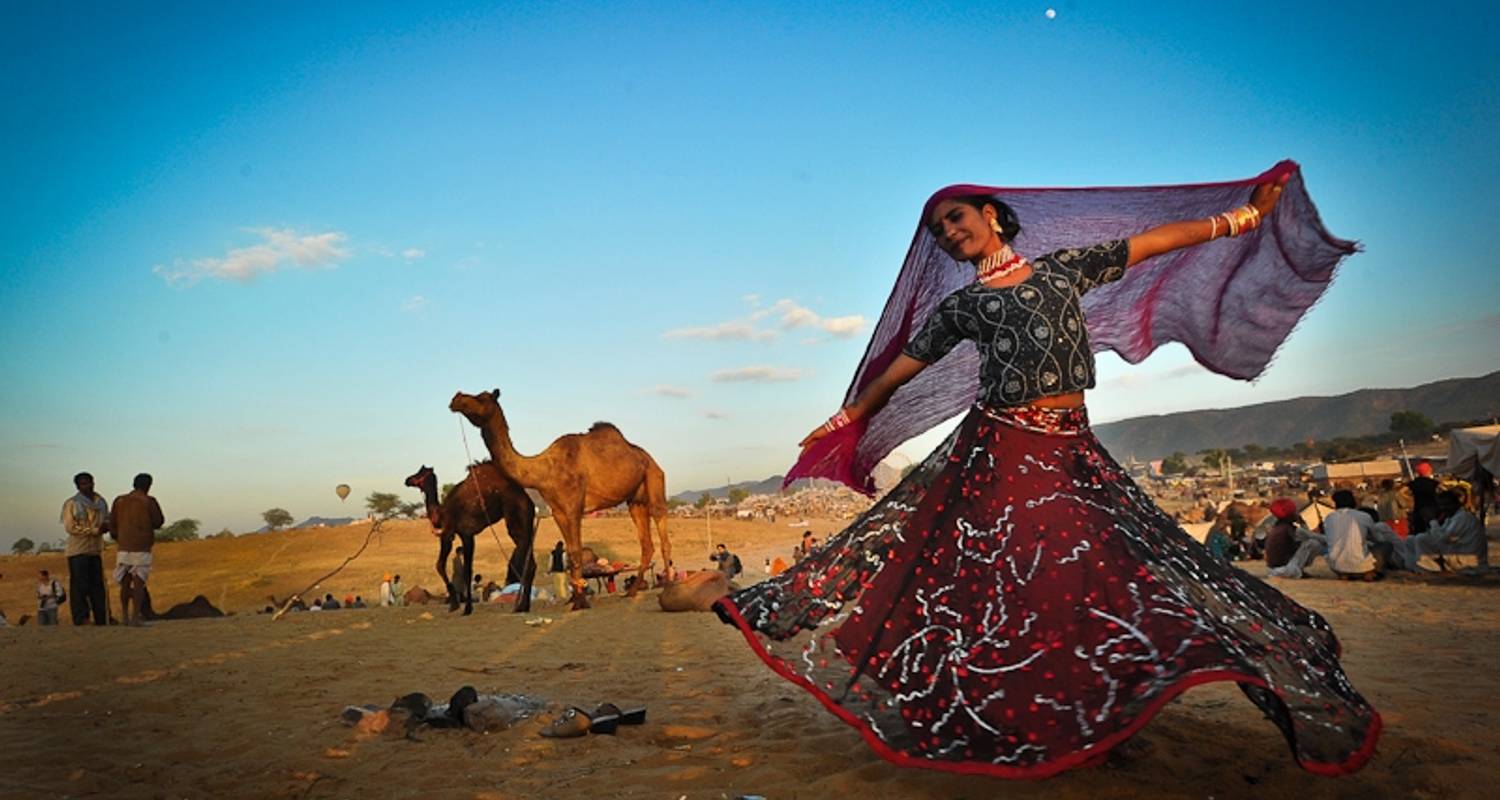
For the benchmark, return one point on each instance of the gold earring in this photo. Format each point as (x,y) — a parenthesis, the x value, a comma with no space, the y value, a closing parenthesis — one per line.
(995,225)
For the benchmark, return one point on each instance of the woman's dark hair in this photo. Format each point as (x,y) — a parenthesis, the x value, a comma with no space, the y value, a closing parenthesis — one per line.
(1344,498)
(1010,227)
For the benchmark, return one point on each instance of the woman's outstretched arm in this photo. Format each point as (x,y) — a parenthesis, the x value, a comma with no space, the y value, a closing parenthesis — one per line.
(1177,235)
(872,398)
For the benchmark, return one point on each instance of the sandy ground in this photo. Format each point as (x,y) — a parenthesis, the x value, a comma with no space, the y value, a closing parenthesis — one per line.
(247,707)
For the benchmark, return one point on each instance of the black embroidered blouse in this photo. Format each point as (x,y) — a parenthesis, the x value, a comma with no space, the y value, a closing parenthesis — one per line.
(1031,336)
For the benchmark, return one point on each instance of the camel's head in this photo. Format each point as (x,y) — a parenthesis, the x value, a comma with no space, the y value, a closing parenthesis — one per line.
(475,407)
(418,479)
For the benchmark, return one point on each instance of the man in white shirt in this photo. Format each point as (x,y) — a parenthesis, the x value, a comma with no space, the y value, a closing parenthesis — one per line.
(1459,538)
(1349,532)
(49,595)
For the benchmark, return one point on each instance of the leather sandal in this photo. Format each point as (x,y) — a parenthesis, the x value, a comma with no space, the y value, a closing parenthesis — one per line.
(571,724)
(630,716)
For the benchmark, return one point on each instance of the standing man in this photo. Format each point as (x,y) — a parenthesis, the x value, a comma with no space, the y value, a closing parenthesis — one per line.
(133,521)
(1424,504)
(85,516)
(49,595)
(558,569)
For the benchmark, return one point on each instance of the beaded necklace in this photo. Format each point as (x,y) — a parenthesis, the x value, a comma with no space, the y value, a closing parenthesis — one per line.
(998,264)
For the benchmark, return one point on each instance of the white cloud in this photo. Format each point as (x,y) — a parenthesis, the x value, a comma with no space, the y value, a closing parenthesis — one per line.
(788,315)
(414,303)
(756,374)
(670,391)
(712,414)
(281,247)
(724,331)
(843,327)
(413,253)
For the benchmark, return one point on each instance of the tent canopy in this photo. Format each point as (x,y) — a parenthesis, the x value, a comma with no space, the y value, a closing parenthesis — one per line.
(1472,448)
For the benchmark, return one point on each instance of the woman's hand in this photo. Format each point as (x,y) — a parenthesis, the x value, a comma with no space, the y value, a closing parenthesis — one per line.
(1266,195)
(817,433)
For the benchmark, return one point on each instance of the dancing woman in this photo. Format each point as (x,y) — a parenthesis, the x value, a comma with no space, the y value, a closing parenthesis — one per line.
(1016,605)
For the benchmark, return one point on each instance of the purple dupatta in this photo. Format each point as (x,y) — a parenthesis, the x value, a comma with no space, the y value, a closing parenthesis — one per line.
(1231,302)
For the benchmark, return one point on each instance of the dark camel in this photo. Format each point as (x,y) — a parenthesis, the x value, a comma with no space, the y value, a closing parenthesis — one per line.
(576,474)
(462,513)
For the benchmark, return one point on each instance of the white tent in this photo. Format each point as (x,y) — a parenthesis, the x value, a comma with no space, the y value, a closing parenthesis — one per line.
(1472,448)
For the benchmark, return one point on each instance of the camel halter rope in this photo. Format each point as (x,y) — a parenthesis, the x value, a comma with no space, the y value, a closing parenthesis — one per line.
(490,523)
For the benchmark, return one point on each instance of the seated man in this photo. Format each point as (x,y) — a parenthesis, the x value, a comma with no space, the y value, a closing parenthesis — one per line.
(1457,537)
(1350,533)
(1289,546)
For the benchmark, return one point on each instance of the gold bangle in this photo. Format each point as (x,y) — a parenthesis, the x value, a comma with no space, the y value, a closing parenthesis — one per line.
(1214,232)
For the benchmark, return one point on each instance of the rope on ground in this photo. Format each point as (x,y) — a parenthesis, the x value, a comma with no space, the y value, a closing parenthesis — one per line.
(285,607)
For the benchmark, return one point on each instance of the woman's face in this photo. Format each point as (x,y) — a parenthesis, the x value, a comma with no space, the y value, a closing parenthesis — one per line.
(963,231)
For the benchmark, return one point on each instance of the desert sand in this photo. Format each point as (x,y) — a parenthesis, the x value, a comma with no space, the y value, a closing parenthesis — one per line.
(247,707)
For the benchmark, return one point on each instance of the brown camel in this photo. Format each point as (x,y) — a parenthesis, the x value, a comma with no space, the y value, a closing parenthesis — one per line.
(485,497)
(576,474)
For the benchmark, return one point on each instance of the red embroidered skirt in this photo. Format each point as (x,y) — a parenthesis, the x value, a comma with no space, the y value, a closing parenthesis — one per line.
(1017,606)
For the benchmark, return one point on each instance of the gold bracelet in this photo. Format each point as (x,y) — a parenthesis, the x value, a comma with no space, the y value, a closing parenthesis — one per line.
(1243,219)
(1214,232)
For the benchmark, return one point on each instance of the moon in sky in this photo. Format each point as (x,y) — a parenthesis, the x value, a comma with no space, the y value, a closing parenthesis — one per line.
(1051,13)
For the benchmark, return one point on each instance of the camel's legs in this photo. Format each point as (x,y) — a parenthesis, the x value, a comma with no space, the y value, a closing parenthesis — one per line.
(445,545)
(568,523)
(656,503)
(660,515)
(521,528)
(467,553)
(642,518)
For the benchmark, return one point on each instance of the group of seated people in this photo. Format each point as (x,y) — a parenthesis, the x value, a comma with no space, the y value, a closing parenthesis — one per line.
(1359,546)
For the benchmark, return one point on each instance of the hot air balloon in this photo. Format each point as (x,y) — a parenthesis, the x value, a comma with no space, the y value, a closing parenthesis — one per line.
(342,490)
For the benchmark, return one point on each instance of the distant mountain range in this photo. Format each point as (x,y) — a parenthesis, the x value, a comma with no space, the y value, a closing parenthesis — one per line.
(1274,424)
(887,472)
(770,485)
(316,522)
(1285,422)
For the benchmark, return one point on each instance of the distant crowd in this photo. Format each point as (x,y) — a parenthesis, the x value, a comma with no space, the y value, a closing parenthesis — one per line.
(1416,528)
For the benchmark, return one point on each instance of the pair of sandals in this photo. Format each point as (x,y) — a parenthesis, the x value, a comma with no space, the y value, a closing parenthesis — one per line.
(605,719)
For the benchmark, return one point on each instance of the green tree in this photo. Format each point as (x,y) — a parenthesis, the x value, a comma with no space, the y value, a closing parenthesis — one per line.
(703,500)
(23,546)
(183,530)
(410,510)
(1175,464)
(51,547)
(737,495)
(674,503)
(382,504)
(446,490)
(276,518)
(224,534)
(1411,423)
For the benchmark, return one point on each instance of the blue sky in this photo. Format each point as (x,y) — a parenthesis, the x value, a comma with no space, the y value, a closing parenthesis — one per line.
(255,250)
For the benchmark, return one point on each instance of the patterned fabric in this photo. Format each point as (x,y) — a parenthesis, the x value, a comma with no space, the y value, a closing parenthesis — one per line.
(1031,338)
(1231,302)
(1016,606)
